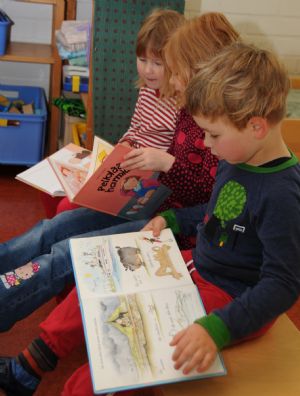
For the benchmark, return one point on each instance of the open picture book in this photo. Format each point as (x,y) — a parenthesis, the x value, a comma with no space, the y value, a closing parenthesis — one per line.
(135,294)
(97,181)
(42,177)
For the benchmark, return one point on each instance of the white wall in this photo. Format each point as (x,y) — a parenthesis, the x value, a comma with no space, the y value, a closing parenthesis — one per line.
(272,24)
(32,23)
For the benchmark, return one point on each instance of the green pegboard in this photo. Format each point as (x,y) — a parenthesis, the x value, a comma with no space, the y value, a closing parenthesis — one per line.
(115,27)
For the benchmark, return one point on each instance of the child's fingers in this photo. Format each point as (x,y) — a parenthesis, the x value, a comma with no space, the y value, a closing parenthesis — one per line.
(182,355)
(156,231)
(157,227)
(199,360)
(177,337)
(181,343)
(133,153)
(147,227)
(206,362)
(130,164)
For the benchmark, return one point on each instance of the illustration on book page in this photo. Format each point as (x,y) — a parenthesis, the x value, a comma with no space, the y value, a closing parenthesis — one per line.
(128,262)
(129,336)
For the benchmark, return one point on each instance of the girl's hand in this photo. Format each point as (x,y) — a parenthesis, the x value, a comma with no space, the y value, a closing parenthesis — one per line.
(125,143)
(148,158)
(194,349)
(156,225)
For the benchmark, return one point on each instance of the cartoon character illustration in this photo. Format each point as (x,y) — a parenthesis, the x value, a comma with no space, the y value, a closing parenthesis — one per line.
(230,204)
(153,240)
(141,189)
(19,275)
(82,157)
(166,266)
(130,257)
(75,177)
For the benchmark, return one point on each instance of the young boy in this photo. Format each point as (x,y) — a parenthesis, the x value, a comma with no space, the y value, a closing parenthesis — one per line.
(247,257)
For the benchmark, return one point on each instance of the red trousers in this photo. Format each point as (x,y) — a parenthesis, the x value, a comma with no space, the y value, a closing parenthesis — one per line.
(63,331)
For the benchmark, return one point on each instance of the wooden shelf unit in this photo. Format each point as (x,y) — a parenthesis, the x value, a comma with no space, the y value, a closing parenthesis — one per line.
(44,54)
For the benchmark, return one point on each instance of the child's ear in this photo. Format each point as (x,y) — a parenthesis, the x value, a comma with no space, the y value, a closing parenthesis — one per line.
(258,126)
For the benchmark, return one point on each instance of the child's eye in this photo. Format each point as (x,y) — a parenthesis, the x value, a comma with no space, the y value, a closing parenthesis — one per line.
(142,59)
(158,63)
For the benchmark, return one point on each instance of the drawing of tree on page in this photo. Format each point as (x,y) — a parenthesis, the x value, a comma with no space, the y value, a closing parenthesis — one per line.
(129,262)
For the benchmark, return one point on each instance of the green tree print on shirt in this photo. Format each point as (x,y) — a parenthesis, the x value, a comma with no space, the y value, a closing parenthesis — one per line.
(230,204)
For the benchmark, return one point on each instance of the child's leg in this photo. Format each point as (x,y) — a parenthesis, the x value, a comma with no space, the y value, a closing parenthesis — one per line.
(39,239)
(61,332)
(212,296)
(26,288)
(80,384)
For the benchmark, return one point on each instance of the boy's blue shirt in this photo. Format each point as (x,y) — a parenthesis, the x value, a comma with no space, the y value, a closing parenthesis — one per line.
(248,242)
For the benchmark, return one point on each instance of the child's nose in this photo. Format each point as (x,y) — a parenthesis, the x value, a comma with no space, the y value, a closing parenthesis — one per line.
(148,68)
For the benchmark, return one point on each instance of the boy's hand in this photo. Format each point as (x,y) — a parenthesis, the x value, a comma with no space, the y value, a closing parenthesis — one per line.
(156,225)
(148,158)
(194,349)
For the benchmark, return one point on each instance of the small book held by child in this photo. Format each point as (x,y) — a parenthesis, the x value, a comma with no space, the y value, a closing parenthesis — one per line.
(96,180)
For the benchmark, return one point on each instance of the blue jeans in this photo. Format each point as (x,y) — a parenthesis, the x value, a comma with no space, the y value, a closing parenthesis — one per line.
(37,265)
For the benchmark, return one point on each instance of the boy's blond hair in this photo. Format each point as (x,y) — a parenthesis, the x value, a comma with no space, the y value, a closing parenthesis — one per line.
(241,82)
(153,35)
(195,41)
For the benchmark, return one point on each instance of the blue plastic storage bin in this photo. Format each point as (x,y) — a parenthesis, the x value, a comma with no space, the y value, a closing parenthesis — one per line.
(24,143)
(5,25)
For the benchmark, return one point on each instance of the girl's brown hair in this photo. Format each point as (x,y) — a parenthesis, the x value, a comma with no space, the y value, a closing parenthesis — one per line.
(153,35)
(197,40)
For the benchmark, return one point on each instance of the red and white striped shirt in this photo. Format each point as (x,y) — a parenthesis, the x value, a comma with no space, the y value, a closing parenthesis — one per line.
(153,121)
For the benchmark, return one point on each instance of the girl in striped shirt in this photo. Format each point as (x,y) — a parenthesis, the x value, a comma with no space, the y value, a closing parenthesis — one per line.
(154,118)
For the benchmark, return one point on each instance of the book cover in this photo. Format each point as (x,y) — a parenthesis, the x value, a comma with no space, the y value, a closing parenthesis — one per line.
(135,294)
(105,186)
(134,194)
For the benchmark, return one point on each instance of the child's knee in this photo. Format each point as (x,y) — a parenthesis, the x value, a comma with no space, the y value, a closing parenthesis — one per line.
(80,383)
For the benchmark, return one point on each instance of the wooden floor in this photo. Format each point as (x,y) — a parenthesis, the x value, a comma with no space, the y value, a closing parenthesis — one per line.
(20,208)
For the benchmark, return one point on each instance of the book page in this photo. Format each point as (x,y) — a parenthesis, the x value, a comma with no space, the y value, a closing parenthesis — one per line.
(42,177)
(128,337)
(71,165)
(128,262)
(101,149)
